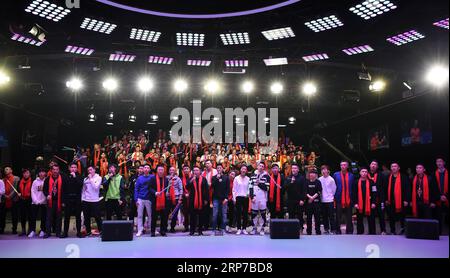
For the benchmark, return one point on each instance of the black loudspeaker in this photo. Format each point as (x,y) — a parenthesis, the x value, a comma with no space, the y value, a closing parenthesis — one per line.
(422,228)
(284,229)
(117,230)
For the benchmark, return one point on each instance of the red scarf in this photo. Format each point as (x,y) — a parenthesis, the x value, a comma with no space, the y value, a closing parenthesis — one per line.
(25,188)
(426,193)
(50,192)
(374,178)
(198,200)
(230,194)
(272,191)
(172,193)
(438,179)
(96,158)
(173,162)
(205,174)
(397,192)
(123,170)
(345,198)
(184,181)
(9,182)
(161,199)
(360,198)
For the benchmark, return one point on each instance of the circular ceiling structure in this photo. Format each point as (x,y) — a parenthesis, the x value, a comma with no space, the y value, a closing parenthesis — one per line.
(199,9)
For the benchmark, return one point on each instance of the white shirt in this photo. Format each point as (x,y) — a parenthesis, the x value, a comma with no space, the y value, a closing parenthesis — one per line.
(240,187)
(91,189)
(328,189)
(37,196)
(209,175)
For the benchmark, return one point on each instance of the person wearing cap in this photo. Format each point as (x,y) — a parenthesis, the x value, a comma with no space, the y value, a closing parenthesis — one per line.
(313,197)
(114,185)
(276,192)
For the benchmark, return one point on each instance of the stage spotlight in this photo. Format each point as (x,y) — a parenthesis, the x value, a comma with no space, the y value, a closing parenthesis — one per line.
(110,84)
(92,117)
(407,85)
(154,118)
(145,84)
(132,118)
(437,76)
(276,88)
(292,120)
(248,87)
(180,86)
(377,86)
(4,78)
(212,86)
(110,119)
(309,89)
(75,84)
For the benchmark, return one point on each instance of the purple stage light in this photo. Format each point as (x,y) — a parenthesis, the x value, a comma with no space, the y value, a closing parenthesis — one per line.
(27,40)
(79,50)
(236,63)
(316,57)
(160,60)
(119,57)
(199,63)
(358,50)
(442,23)
(406,37)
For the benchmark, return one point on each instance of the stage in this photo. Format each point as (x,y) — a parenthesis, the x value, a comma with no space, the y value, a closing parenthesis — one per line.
(227,246)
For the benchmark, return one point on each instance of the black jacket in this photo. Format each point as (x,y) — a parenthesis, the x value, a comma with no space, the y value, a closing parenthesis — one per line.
(73,188)
(221,189)
(295,190)
(355,193)
(406,189)
(204,189)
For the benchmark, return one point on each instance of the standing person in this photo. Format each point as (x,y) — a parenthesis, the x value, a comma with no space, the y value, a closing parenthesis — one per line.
(209,173)
(185,178)
(441,179)
(276,192)
(142,199)
(221,191)
(11,200)
(114,185)
(132,214)
(425,194)
(364,200)
(198,201)
(72,199)
(2,198)
(53,190)
(25,201)
(377,178)
(398,197)
(159,186)
(344,181)
(327,200)
(313,195)
(240,198)
(258,186)
(90,200)
(231,205)
(175,196)
(38,203)
(296,192)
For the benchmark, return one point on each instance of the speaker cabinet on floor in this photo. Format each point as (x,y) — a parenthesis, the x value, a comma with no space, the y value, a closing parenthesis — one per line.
(117,230)
(284,229)
(422,228)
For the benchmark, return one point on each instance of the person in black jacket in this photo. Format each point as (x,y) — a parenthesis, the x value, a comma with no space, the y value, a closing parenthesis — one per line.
(221,191)
(54,186)
(398,196)
(295,187)
(72,199)
(425,194)
(377,178)
(313,195)
(198,200)
(364,196)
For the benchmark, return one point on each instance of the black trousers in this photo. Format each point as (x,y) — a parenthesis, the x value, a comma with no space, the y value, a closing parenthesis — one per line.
(381,217)
(54,219)
(241,212)
(296,212)
(347,214)
(273,213)
(133,210)
(25,214)
(91,209)
(14,215)
(35,211)
(424,211)
(185,211)
(163,215)
(313,209)
(197,218)
(72,208)
(328,216)
(231,214)
(113,207)
(370,219)
(395,217)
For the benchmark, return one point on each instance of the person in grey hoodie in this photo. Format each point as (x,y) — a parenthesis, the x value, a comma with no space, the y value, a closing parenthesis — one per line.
(90,197)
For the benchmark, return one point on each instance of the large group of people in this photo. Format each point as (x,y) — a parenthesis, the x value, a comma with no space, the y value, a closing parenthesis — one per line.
(226,188)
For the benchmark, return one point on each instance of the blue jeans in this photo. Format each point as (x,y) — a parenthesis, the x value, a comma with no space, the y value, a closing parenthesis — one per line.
(219,206)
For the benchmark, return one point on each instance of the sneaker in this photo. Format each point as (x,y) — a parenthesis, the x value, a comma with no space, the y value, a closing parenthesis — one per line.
(46,236)
(383,233)
(262,233)
(331,233)
(64,235)
(253,232)
(41,234)
(239,232)
(139,234)
(79,235)
(89,234)
(32,234)
(245,232)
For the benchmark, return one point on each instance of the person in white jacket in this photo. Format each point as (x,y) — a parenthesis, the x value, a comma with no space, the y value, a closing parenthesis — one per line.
(90,197)
(38,204)
(328,192)
(240,198)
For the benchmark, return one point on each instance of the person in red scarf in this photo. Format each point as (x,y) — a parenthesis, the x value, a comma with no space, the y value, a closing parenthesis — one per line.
(276,192)
(441,179)
(53,191)
(344,181)
(424,194)
(25,201)
(10,201)
(198,201)
(159,188)
(174,196)
(398,196)
(377,177)
(364,195)
(185,178)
